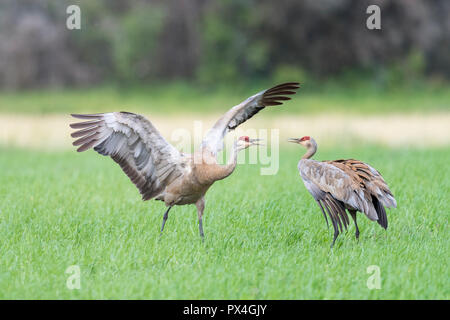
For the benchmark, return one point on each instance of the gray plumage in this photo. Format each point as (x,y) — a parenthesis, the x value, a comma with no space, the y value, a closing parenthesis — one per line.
(160,171)
(341,185)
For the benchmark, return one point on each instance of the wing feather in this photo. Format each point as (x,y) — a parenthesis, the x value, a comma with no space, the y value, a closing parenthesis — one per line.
(321,178)
(369,179)
(244,111)
(135,144)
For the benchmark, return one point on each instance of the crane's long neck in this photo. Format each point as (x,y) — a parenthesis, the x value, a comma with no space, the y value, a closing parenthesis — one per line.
(209,171)
(311,150)
(231,163)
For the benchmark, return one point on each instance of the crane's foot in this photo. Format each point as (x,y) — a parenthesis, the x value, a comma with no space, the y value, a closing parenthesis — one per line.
(166,215)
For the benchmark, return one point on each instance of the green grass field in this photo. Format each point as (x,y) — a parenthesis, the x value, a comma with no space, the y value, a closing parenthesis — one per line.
(178,98)
(265,236)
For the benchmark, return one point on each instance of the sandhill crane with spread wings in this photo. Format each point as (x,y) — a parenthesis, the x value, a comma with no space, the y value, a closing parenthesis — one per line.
(341,185)
(157,168)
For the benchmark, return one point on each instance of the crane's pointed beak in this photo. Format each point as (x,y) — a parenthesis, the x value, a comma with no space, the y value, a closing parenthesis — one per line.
(293,140)
(256,142)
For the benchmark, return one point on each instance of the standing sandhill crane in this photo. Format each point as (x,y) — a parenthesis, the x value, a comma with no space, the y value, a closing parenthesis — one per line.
(349,184)
(159,170)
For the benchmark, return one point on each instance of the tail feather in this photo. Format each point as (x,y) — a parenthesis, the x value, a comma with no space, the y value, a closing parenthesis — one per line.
(381,212)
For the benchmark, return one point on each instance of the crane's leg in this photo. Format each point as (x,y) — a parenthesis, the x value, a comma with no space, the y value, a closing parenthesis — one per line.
(166,215)
(200,204)
(353,214)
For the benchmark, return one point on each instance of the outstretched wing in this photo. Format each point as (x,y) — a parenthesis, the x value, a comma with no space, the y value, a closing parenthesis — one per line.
(133,142)
(244,111)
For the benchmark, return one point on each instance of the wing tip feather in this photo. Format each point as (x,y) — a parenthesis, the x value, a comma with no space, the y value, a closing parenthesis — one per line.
(278,93)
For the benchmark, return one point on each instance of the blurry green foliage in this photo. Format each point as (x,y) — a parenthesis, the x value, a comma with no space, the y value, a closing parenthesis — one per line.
(232,51)
(408,72)
(286,73)
(135,42)
(93,46)
(229,42)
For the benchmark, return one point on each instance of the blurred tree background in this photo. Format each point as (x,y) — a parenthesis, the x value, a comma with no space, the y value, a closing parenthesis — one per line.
(126,42)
